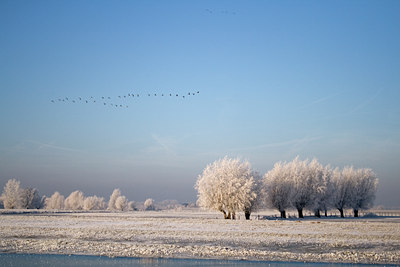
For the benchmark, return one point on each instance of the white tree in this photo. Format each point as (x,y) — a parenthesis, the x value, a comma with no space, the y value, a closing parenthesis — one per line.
(30,198)
(226,186)
(111,203)
(322,186)
(55,202)
(121,203)
(94,203)
(341,184)
(254,202)
(11,195)
(303,185)
(74,201)
(149,204)
(131,205)
(363,188)
(278,188)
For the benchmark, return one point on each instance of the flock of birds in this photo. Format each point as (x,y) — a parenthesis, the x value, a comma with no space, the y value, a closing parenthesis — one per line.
(116,101)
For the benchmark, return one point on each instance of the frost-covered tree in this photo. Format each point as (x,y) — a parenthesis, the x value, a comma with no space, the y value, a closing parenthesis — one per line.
(322,187)
(303,185)
(255,202)
(111,203)
(11,195)
(94,203)
(149,204)
(30,198)
(341,184)
(363,183)
(227,186)
(121,203)
(74,201)
(55,202)
(277,188)
(131,205)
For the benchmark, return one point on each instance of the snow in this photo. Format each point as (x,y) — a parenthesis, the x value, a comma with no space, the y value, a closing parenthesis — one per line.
(198,234)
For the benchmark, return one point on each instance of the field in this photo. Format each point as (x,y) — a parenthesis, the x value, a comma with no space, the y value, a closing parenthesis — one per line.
(198,234)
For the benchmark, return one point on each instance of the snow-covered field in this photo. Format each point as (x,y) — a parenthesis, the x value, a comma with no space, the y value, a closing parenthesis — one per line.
(197,234)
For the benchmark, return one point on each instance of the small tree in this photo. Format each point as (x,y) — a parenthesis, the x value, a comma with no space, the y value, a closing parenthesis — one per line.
(149,204)
(321,181)
(94,203)
(253,203)
(131,205)
(74,201)
(121,203)
(278,188)
(55,202)
(11,195)
(341,194)
(30,199)
(226,186)
(363,188)
(111,203)
(302,181)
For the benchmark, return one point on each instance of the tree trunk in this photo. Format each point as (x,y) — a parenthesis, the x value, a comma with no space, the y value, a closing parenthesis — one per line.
(317,214)
(228,216)
(300,211)
(283,214)
(247,215)
(341,213)
(355,213)
(233,216)
(326,213)
(225,215)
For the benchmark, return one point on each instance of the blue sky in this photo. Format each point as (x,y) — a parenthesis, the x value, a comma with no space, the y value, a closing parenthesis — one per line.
(276,79)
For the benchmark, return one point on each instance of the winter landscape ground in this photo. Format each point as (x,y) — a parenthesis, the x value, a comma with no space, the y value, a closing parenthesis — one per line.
(202,235)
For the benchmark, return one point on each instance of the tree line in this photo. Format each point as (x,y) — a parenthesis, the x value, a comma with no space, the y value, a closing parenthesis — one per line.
(15,197)
(231,185)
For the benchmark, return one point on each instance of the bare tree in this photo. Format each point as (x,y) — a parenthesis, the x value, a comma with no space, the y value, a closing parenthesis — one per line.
(226,186)
(11,195)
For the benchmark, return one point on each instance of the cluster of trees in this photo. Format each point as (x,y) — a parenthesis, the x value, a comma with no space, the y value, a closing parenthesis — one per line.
(230,186)
(15,197)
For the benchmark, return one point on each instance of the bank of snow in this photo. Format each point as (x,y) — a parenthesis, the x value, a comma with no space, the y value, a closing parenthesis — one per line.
(191,234)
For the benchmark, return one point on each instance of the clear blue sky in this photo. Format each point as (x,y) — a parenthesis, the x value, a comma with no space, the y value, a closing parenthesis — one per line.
(276,79)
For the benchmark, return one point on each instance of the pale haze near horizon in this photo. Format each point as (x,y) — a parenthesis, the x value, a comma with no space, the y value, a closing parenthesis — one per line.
(275,80)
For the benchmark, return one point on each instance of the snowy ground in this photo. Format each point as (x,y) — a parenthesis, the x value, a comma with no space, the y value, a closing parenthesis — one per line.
(195,234)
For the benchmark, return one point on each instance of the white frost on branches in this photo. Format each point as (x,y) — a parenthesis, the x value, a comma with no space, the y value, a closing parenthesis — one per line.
(278,188)
(94,203)
(149,204)
(55,202)
(74,201)
(11,195)
(227,185)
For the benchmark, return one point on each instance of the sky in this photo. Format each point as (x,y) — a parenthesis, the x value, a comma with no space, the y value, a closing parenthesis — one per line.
(275,80)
